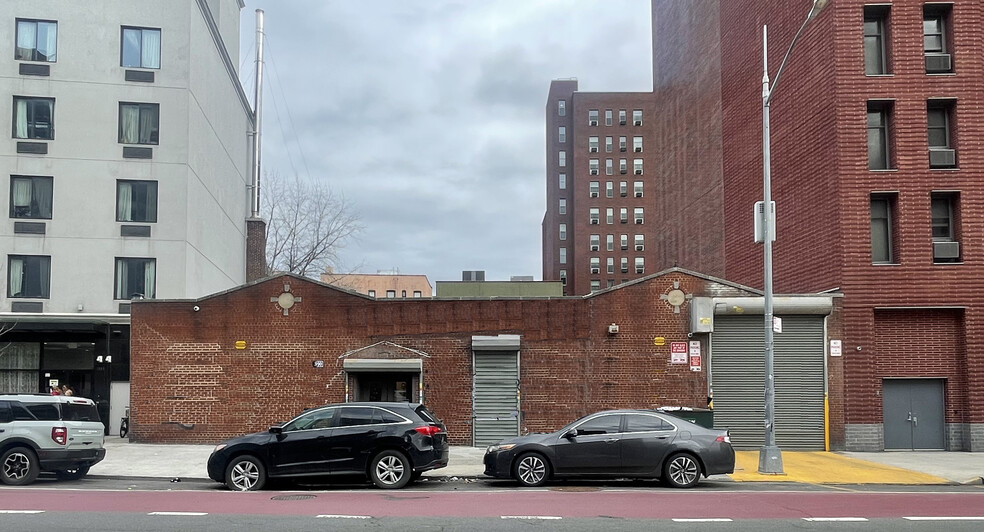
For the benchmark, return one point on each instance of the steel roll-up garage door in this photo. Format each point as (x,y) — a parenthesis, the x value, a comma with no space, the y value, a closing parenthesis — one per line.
(495,399)
(738,378)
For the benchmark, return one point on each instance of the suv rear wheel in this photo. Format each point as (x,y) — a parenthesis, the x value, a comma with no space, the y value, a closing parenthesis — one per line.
(18,466)
(390,470)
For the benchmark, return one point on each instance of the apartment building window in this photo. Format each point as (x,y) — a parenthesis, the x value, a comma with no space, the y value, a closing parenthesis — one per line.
(372,293)
(875,39)
(624,265)
(611,282)
(34,118)
(879,139)
(609,215)
(609,167)
(621,144)
(562,181)
(561,108)
(594,216)
(563,231)
(637,189)
(944,219)
(637,117)
(608,117)
(592,144)
(595,285)
(403,293)
(610,265)
(562,256)
(135,278)
(139,123)
(936,38)
(561,134)
(562,158)
(939,120)
(28,276)
(593,166)
(623,215)
(640,243)
(621,117)
(562,208)
(624,242)
(640,265)
(623,166)
(417,293)
(610,242)
(136,201)
(390,294)
(140,48)
(592,117)
(30,197)
(594,242)
(609,189)
(637,144)
(593,188)
(623,188)
(37,40)
(595,265)
(882,229)
(637,212)
(563,277)
(608,144)
(637,166)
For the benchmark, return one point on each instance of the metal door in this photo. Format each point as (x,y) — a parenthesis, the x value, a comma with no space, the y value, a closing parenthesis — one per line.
(495,397)
(913,414)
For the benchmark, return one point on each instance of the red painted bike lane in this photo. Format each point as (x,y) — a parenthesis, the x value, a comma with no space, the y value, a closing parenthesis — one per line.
(636,504)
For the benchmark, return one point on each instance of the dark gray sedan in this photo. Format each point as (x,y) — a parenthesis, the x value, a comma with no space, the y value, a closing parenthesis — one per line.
(616,444)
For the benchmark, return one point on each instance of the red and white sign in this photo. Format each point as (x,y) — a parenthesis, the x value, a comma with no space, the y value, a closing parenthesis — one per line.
(694,355)
(678,352)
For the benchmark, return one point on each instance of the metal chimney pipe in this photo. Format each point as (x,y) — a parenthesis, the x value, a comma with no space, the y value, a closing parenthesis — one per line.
(257,114)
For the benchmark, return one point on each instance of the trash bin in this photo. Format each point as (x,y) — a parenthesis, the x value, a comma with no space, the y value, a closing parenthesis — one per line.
(701,416)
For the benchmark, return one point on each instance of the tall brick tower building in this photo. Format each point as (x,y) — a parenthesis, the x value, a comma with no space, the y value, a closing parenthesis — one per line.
(877,168)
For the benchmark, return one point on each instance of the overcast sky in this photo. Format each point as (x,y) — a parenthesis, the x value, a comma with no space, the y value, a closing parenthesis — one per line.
(428,115)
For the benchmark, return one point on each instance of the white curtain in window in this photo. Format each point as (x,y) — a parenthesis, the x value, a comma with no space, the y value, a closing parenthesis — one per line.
(124,203)
(121,271)
(150,56)
(27,39)
(130,122)
(21,119)
(150,275)
(22,193)
(147,125)
(16,276)
(47,48)
(42,194)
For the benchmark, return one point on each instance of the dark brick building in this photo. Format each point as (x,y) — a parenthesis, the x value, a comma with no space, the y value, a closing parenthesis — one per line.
(876,163)
(238,361)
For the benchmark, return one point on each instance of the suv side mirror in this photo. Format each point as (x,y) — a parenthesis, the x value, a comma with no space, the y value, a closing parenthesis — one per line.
(571,434)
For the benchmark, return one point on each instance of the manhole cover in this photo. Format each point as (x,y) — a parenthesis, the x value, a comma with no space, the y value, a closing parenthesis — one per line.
(291,497)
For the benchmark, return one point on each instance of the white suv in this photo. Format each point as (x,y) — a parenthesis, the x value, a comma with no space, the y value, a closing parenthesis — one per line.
(60,434)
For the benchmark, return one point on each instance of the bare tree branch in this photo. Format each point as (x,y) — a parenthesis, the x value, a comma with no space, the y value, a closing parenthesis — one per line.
(307,225)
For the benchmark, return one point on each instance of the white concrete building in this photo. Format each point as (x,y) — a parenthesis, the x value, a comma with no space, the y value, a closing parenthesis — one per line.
(127,168)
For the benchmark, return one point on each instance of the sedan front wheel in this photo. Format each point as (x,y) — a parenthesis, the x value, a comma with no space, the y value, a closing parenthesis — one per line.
(245,473)
(531,470)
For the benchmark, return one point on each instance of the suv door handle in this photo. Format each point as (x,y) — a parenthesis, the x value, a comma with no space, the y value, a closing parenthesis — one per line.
(611,440)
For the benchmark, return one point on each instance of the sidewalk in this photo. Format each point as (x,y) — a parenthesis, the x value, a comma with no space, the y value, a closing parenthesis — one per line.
(124,459)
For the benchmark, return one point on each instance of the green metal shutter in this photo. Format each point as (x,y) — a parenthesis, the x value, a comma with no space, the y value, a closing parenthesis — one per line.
(738,378)
(495,400)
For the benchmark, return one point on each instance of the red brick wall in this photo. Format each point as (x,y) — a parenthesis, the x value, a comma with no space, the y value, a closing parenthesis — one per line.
(190,384)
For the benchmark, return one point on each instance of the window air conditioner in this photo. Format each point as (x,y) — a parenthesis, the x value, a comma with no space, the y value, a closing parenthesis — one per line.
(592,122)
(640,247)
(638,172)
(625,269)
(625,247)
(936,63)
(638,220)
(624,220)
(621,122)
(621,148)
(638,194)
(593,195)
(942,158)
(622,171)
(594,221)
(946,250)
(623,194)
(638,150)
(593,149)
(594,247)
(594,171)
(595,270)
(640,270)
(637,122)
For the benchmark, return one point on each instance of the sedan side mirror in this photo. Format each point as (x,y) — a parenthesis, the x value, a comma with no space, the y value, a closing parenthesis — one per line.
(571,434)
(276,429)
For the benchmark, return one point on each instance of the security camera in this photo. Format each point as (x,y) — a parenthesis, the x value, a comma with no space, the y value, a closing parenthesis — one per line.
(690,335)
(196,308)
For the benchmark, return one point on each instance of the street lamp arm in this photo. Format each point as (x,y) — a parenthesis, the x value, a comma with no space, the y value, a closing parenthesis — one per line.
(817,6)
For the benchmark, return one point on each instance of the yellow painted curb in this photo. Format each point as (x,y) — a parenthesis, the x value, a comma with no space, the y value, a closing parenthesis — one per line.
(827,468)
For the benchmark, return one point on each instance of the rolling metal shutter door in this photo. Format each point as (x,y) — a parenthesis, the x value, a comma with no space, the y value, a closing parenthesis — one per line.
(495,396)
(738,376)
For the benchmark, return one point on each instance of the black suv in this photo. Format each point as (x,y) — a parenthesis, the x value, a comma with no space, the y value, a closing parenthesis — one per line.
(390,443)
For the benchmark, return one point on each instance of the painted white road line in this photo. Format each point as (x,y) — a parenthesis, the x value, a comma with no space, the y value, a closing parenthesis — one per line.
(21,511)
(835,519)
(335,516)
(702,520)
(944,518)
(544,517)
(193,514)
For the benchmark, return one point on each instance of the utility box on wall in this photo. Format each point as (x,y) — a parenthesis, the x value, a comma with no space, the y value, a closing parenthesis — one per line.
(701,315)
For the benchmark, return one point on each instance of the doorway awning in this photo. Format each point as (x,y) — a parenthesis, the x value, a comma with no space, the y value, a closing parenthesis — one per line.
(379,364)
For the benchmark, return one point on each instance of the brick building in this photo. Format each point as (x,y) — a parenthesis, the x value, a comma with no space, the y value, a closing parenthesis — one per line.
(876,163)
(238,361)
(600,160)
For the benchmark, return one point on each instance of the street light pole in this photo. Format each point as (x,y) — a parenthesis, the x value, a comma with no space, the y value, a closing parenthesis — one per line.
(770,457)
